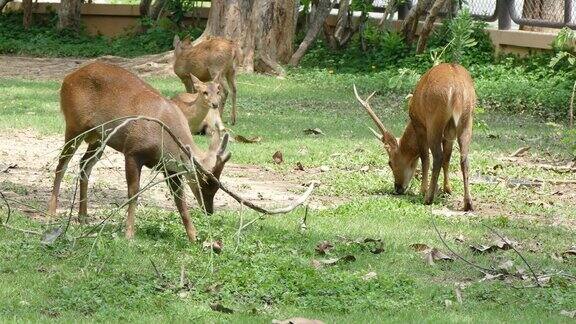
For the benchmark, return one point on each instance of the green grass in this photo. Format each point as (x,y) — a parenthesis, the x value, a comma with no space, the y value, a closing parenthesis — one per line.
(266,273)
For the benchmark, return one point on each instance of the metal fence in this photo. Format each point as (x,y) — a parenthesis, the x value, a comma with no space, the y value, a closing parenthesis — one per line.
(526,13)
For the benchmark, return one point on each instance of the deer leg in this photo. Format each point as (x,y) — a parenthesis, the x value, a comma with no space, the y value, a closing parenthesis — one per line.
(176,188)
(133,171)
(68,150)
(447,148)
(437,161)
(86,164)
(231,77)
(464,144)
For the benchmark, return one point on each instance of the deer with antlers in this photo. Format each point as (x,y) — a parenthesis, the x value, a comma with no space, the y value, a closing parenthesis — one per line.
(213,58)
(441,111)
(106,105)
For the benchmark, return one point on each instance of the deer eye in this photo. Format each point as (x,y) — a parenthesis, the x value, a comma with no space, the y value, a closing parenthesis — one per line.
(205,93)
(390,163)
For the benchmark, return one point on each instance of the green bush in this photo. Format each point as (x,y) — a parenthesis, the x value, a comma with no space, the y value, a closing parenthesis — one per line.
(42,39)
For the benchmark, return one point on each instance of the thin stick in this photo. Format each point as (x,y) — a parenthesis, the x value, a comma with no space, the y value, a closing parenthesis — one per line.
(519,254)
(491,271)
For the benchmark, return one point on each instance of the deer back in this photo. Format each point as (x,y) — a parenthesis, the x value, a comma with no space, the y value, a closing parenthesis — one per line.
(445,93)
(99,93)
(212,54)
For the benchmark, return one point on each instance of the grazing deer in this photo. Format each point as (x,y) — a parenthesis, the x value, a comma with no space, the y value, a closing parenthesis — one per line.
(100,93)
(206,60)
(201,108)
(441,111)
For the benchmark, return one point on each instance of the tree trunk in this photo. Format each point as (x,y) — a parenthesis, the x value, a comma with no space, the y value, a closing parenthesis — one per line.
(3,4)
(69,15)
(156,9)
(551,10)
(144,8)
(410,26)
(263,29)
(317,17)
(429,24)
(27,13)
(389,12)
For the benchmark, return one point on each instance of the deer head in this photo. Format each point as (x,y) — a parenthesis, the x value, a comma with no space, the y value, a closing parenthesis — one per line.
(402,163)
(210,95)
(213,161)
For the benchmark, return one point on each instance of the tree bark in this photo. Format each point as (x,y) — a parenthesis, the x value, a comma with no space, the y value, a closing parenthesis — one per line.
(317,17)
(27,13)
(429,24)
(263,29)
(69,15)
(551,10)
(3,4)
(410,26)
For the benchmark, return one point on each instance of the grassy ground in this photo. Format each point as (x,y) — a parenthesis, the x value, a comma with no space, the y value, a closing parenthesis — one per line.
(266,272)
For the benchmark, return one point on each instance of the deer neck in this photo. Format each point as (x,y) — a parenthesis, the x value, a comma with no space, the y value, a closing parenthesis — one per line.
(408,143)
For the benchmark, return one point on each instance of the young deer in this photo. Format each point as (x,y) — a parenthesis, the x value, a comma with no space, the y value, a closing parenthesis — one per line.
(201,108)
(440,111)
(99,93)
(206,60)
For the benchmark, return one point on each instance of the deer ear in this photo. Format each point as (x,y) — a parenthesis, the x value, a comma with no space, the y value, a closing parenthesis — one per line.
(196,81)
(217,77)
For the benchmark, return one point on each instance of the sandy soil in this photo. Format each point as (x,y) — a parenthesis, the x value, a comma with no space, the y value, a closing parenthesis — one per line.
(28,161)
(56,68)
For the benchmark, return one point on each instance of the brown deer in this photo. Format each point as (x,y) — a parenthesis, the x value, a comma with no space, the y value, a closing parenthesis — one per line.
(441,111)
(206,60)
(99,93)
(201,108)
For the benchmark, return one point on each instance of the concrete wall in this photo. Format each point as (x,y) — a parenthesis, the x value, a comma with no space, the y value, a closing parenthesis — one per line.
(113,20)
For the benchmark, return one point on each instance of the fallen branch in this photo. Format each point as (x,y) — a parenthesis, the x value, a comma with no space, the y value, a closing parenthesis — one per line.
(484,270)
(518,253)
(9,211)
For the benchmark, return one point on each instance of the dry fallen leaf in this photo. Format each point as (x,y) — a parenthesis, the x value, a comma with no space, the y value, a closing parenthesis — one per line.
(297,320)
(365,168)
(216,246)
(434,254)
(571,314)
(213,288)
(299,166)
(460,238)
(313,131)
(570,252)
(506,266)
(277,157)
(370,275)
(242,139)
(219,308)
(520,151)
(323,247)
(329,262)
(458,292)
(324,168)
(419,247)
(488,277)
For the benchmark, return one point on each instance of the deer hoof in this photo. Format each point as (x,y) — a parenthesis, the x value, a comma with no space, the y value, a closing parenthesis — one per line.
(468,206)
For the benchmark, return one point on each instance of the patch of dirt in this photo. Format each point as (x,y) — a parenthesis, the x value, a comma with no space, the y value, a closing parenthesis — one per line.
(28,161)
(51,68)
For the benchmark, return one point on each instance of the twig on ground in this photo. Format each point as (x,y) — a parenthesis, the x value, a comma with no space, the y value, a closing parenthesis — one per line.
(9,213)
(535,277)
(483,269)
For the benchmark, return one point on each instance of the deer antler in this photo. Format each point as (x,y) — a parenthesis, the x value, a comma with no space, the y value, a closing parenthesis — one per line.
(385,136)
(368,108)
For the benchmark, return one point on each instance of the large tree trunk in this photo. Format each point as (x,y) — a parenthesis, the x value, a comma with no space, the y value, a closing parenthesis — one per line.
(264,30)
(344,30)
(429,24)
(410,26)
(27,13)
(551,10)
(3,4)
(69,14)
(317,17)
